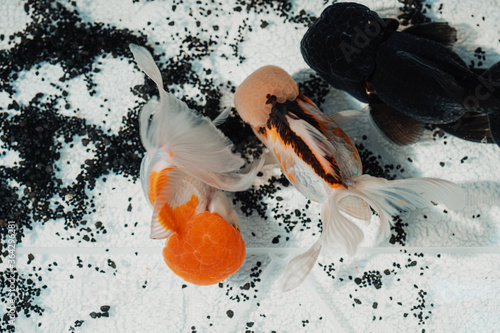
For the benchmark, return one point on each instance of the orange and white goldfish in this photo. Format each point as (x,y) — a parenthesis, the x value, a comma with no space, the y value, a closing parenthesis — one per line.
(321,161)
(188,162)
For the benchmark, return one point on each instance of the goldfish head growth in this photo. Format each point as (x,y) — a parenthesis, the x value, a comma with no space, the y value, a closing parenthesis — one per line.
(204,248)
(257,94)
(343,41)
(206,251)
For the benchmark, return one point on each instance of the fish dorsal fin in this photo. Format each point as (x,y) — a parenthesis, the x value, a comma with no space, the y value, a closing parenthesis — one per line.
(295,169)
(343,149)
(440,32)
(398,127)
(320,146)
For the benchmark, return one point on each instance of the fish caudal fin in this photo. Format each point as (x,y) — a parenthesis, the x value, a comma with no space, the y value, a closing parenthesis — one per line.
(148,130)
(491,82)
(187,139)
(299,267)
(494,122)
(146,63)
(386,197)
(336,229)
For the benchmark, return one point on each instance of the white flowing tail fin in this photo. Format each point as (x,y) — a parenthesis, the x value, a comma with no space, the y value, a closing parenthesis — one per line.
(228,181)
(386,197)
(188,140)
(146,63)
(299,267)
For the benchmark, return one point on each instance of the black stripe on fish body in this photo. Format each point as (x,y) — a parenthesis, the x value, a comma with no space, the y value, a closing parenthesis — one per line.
(278,121)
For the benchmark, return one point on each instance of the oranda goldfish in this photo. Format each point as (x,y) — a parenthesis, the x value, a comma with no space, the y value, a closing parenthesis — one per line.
(188,162)
(410,78)
(321,161)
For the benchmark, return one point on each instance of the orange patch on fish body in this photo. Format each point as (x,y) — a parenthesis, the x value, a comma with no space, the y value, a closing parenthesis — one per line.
(278,129)
(326,126)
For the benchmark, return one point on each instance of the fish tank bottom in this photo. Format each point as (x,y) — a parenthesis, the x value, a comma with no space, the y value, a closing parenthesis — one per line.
(70,156)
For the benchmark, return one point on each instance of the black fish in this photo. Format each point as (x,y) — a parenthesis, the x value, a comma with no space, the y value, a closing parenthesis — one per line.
(409,78)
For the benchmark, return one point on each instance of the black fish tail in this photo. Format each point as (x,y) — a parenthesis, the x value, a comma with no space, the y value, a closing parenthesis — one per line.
(484,96)
(494,121)
(484,91)
(492,77)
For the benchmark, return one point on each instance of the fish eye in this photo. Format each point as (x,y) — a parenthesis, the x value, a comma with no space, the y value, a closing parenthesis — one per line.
(271,99)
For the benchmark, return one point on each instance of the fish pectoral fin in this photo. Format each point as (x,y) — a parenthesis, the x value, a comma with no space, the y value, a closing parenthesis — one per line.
(158,229)
(220,204)
(494,122)
(163,187)
(471,126)
(344,118)
(444,79)
(398,127)
(440,32)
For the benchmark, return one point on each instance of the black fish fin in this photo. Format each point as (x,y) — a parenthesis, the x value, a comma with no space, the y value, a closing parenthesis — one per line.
(445,80)
(398,127)
(440,32)
(494,121)
(484,89)
(391,24)
(494,71)
(492,79)
(478,71)
(471,127)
